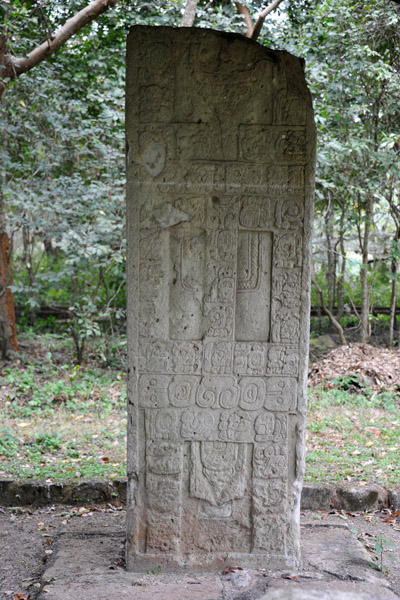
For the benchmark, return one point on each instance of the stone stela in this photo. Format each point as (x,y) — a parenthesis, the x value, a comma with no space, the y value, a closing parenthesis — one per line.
(220,158)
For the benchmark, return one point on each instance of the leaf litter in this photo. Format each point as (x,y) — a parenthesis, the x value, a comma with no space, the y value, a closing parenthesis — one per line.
(377,368)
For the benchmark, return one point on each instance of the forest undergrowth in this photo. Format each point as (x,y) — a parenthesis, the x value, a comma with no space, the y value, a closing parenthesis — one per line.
(60,420)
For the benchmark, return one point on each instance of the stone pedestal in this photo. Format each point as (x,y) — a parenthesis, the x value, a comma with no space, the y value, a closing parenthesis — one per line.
(220,160)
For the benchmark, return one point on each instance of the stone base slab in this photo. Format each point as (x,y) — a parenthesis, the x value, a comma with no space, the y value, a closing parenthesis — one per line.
(335,566)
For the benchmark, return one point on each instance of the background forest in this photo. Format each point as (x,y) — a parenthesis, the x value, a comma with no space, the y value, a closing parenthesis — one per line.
(62,160)
(62,395)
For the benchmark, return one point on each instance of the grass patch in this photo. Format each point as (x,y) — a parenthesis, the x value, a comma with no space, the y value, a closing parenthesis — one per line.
(353,437)
(60,421)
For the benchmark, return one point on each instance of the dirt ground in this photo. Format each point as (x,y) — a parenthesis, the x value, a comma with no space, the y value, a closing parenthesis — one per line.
(27,536)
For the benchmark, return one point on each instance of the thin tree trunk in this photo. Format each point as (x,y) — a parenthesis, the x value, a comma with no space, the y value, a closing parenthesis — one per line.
(189,14)
(393,298)
(7,310)
(341,275)
(330,274)
(262,16)
(365,304)
(28,254)
(393,295)
(335,323)
(244,11)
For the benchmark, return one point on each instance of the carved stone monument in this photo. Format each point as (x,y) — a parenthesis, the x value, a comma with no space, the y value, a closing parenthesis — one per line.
(220,176)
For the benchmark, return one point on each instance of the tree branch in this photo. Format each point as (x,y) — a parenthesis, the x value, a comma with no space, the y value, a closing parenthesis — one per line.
(15,66)
(263,14)
(335,322)
(190,13)
(243,10)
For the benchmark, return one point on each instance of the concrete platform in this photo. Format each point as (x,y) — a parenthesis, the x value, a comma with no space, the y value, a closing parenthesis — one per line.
(87,562)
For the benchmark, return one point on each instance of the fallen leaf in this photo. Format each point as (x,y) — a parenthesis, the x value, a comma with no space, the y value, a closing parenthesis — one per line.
(375,430)
(292,577)
(231,570)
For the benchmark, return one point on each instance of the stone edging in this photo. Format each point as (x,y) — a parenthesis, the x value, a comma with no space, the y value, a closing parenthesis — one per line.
(98,491)
(347,497)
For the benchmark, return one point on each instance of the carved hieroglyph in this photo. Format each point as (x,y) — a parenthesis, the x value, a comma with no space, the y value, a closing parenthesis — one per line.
(220,167)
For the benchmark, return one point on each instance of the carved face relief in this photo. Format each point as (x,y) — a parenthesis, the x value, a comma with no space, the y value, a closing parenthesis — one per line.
(153,158)
(218,474)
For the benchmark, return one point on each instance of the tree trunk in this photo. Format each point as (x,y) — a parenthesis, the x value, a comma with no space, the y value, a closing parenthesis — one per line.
(365,324)
(393,298)
(341,274)
(189,14)
(335,323)
(331,263)
(28,254)
(7,311)
(8,329)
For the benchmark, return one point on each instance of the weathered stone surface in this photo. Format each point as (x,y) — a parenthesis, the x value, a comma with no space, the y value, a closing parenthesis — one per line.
(334,550)
(316,496)
(360,498)
(29,493)
(42,493)
(86,564)
(90,490)
(6,492)
(394,498)
(317,594)
(220,164)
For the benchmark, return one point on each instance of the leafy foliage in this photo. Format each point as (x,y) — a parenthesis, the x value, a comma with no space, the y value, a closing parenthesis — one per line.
(63,151)
(352,65)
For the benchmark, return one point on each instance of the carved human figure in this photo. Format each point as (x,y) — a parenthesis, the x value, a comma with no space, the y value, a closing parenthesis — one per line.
(218,471)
